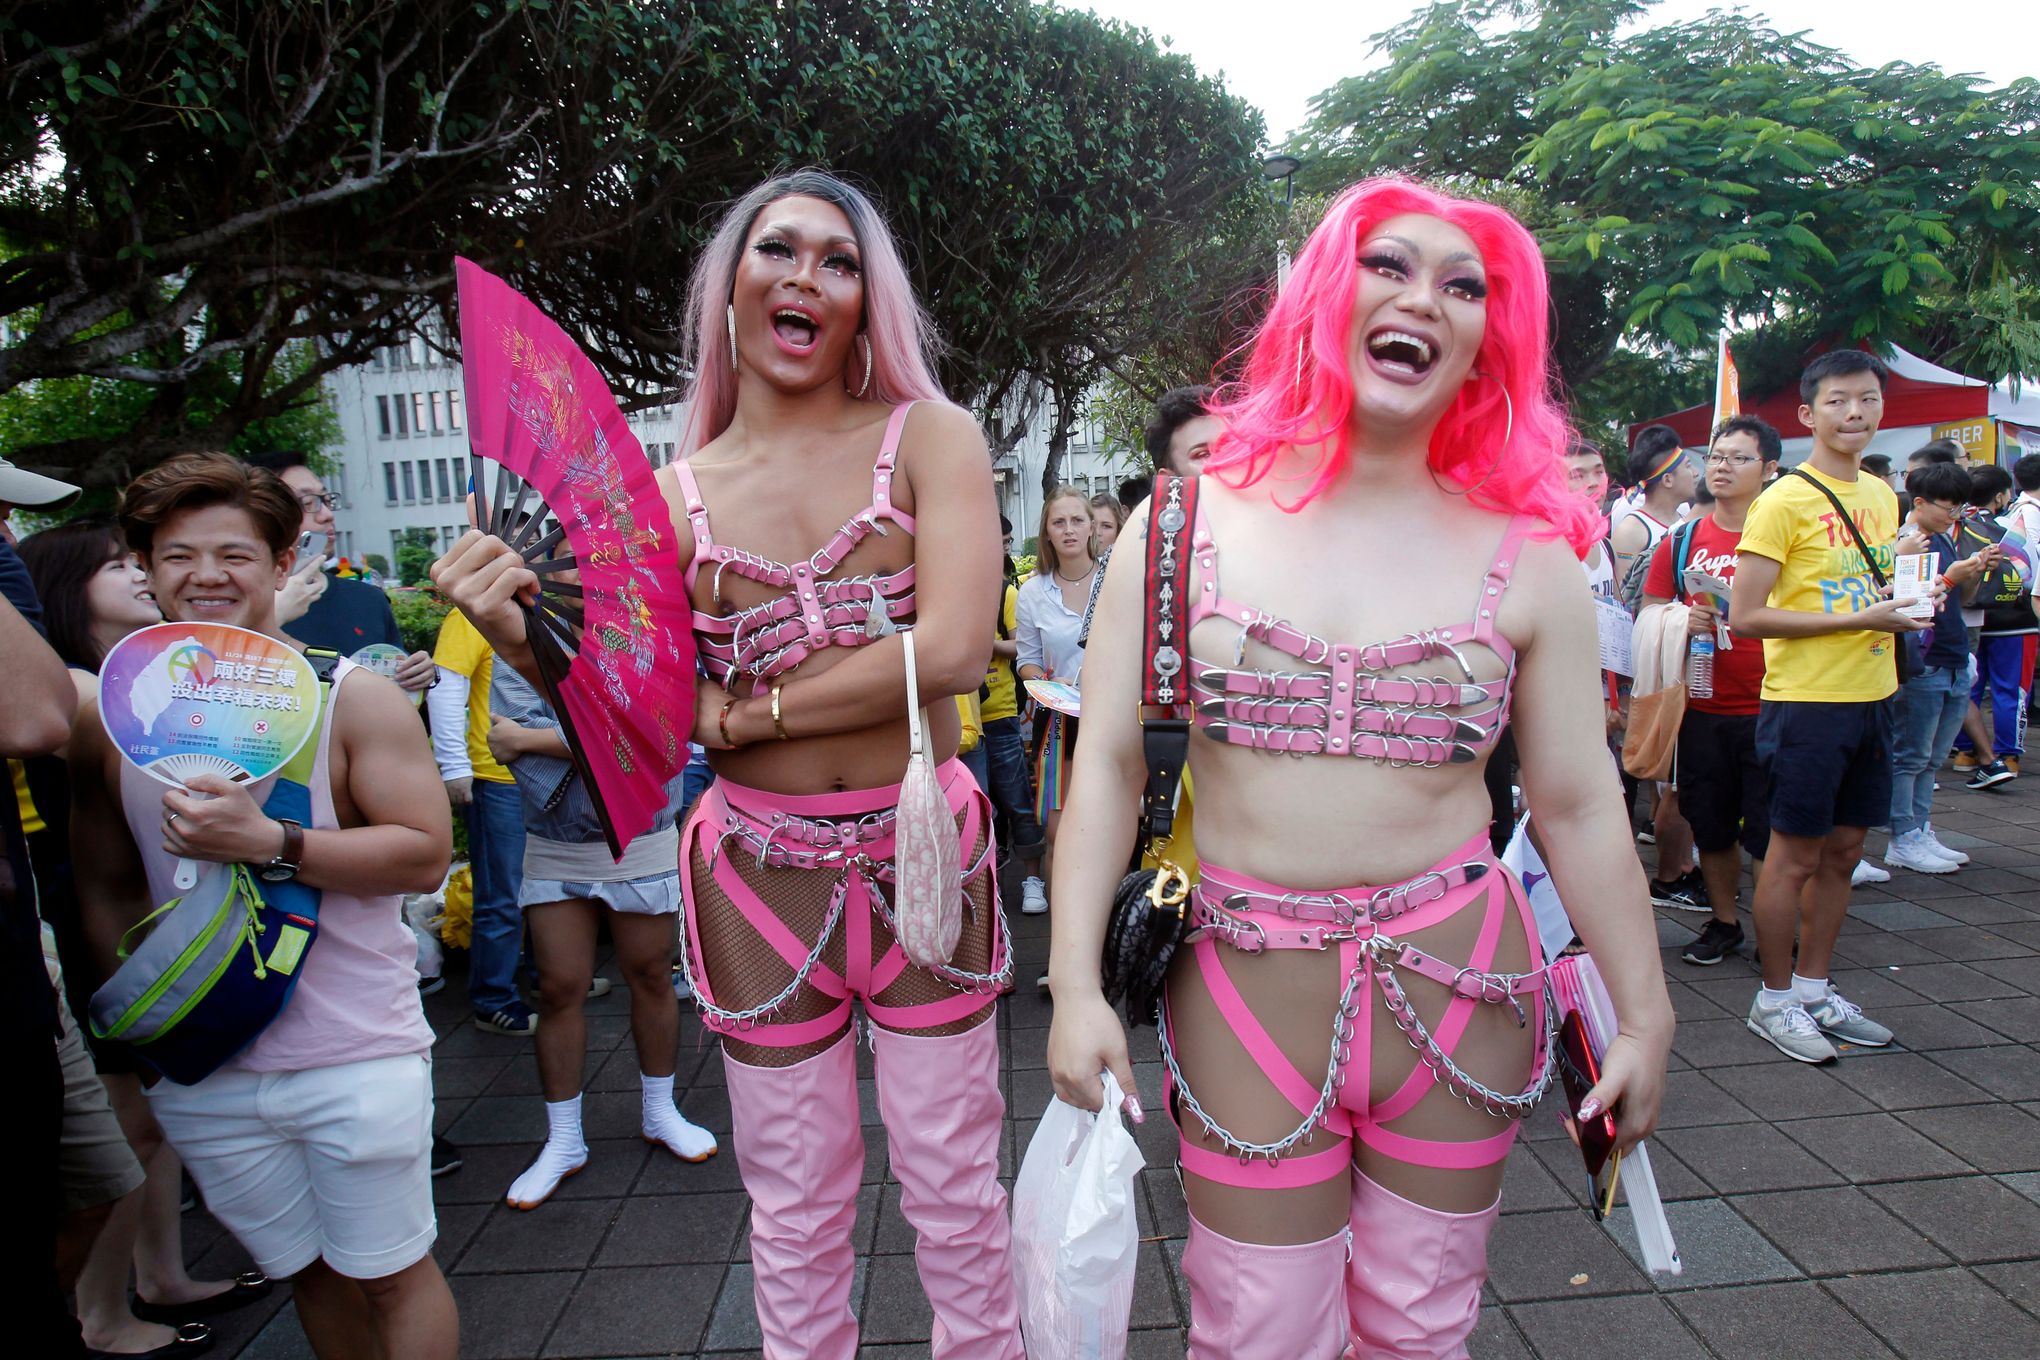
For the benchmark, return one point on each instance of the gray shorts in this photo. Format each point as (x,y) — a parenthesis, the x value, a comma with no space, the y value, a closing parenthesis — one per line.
(657,895)
(95,1165)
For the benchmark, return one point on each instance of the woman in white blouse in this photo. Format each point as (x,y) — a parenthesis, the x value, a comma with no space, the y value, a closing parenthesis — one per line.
(1049,619)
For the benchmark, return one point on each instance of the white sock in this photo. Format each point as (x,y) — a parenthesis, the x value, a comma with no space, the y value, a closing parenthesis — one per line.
(666,1126)
(564,1153)
(1772,1000)
(1807,990)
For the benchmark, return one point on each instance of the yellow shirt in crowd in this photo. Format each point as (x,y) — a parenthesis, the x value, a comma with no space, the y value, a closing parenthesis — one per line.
(1821,571)
(464,651)
(1001,701)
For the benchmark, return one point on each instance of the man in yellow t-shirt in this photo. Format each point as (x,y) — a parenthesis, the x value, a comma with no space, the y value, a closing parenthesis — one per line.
(486,795)
(1804,586)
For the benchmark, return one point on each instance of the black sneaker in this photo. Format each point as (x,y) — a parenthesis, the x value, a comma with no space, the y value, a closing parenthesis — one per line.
(1716,941)
(446,1158)
(1687,892)
(1990,776)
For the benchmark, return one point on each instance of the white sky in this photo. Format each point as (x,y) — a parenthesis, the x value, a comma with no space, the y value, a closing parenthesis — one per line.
(1276,54)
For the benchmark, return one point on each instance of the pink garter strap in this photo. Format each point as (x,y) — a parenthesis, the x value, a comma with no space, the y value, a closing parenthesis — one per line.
(850,834)
(1251,914)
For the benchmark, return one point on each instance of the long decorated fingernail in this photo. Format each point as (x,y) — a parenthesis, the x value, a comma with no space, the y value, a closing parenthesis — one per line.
(1132,1106)
(1590,1107)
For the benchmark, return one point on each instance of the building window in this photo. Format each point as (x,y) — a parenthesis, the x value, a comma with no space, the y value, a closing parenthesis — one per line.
(424,479)
(449,536)
(453,409)
(438,411)
(382,417)
(403,411)
(375,361)
(410,486)
(418,409)
(415,351)
(389,472)
(445,481)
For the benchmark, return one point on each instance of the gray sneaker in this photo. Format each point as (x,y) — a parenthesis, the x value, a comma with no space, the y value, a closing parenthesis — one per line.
(1791,1031)
(1844,1019)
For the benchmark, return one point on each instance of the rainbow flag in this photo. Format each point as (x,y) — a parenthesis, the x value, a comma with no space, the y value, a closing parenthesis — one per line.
(1727,384)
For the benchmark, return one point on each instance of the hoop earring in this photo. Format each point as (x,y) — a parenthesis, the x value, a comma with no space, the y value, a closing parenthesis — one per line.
(730,321)
(1508,431)
(864,386)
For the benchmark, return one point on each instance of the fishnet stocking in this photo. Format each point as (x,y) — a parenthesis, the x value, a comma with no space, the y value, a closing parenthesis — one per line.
(1291,993)
(744,971)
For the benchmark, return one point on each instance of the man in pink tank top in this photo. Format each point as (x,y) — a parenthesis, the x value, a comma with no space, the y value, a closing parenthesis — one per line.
(311,1144)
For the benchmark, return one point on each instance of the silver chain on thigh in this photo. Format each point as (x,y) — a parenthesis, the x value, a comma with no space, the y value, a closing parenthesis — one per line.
(755,1015)
(1328,1094)
(1457,1079)
(1465,1085)
(873,871)
(961,979)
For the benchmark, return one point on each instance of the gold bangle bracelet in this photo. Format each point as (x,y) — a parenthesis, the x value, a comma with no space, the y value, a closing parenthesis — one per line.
(778,727)
(722,722)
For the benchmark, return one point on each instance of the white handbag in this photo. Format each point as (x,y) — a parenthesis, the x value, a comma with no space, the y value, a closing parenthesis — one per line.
(927,868)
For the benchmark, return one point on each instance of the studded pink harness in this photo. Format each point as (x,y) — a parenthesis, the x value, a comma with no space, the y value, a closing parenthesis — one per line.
(766,640)
(1342,704)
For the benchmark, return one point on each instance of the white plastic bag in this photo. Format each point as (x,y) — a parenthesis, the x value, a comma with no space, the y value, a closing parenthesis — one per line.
(423,912)
(1074,1235)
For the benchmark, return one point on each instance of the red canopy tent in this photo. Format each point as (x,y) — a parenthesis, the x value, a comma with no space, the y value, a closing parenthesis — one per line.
(1918,394)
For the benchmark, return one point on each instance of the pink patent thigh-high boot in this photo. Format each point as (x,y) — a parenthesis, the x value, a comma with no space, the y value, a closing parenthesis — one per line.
(942,1109)
(801,1150)
(1413,1288)
(1254,1302)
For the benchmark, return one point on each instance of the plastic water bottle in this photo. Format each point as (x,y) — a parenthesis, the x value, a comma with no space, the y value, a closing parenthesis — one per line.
(1700,667)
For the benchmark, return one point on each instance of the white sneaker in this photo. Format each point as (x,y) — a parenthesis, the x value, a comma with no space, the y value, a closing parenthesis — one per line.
(1943,851)
(1033,897)
(1913,851)
(1791,1030)
(1866,872)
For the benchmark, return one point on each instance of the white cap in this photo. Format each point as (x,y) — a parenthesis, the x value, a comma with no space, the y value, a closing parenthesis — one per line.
(31,490)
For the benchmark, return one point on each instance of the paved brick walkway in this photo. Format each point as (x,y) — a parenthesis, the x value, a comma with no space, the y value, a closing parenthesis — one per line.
(1889,1205)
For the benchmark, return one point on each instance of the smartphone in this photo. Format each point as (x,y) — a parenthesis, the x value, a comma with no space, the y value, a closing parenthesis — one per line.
(308,562)
(1579,1071)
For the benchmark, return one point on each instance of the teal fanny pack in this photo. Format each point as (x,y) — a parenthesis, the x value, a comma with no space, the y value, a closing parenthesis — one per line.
(203,975)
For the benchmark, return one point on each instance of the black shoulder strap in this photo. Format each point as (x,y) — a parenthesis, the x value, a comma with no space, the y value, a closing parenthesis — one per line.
(324,663)
(1165,650)
(1848,520)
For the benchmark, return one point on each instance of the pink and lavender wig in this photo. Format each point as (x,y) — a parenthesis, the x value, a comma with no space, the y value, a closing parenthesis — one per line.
(1509,469)
(900,332)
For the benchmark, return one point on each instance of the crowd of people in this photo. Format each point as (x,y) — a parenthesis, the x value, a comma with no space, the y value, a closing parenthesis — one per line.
(1357,1020)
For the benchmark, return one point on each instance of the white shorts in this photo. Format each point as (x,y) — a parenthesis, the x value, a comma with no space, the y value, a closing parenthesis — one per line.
(332,1164)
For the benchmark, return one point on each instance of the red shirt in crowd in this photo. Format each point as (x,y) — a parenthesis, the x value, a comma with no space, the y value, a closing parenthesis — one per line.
(1738,672)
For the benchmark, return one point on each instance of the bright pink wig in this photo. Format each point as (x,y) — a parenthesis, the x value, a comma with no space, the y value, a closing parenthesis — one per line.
(900,332)
(1509,467)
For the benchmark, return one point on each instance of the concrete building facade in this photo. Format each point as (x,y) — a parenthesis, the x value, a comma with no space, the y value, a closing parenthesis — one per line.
(402,460)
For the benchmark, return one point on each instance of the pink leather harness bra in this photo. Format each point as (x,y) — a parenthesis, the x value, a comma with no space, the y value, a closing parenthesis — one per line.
(816,610)
(1342,704)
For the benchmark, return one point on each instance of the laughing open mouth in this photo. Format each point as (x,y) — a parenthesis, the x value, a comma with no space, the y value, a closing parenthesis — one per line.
(1400,351)
(795,327)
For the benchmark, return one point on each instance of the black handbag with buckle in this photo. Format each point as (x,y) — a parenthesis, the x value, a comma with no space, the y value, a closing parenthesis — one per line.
(1149,911)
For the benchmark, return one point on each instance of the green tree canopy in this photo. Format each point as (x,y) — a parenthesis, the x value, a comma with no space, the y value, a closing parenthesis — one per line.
(1689,175)
(188,184)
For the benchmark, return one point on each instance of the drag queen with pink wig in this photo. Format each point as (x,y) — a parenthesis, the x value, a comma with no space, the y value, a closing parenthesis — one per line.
(1384,571)
(828,500)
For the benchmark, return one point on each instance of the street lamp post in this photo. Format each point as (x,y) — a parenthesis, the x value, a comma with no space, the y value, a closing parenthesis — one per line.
(1281,170)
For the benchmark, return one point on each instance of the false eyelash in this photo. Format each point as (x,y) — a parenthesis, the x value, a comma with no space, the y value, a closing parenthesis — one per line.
(1383,259)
